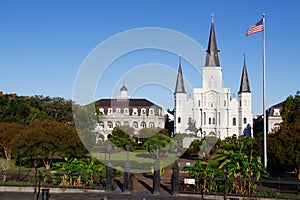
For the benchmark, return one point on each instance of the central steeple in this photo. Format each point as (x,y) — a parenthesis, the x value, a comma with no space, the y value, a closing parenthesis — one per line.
(212,52)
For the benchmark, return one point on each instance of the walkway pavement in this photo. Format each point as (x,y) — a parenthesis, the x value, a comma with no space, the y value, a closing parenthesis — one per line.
(94,196)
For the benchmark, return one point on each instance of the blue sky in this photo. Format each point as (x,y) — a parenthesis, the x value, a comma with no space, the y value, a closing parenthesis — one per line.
(44,43)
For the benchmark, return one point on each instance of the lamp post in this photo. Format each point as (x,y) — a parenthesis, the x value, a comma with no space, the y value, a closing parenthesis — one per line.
(109,171)
(175,175)
(35,164)
(225,180)
(127,176)
(156,175)
(20,164)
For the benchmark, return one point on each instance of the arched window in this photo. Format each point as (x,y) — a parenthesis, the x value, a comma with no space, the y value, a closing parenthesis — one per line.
(179,120)
(213,120)
(151,125)
(118,124)
(204,118)
(245,120)
(209,120)
(143,124)
(135,125)
(109,125)
(234,121)
(126,123)
(101,124)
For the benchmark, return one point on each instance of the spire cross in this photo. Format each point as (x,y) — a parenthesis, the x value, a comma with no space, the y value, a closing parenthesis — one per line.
(244,58)
(179,60)
(212,17)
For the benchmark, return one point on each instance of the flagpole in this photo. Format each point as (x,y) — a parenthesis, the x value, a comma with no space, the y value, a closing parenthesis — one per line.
(264,92)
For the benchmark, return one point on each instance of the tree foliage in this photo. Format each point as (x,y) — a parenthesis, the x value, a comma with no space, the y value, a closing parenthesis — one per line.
(158,140)
(8,134)
(120,139)
(291,109)
(236,156)
(284,143)
(25,109)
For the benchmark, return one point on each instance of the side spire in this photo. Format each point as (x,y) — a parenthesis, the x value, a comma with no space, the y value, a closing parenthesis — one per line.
(244,87)
(212,52)
(179,83)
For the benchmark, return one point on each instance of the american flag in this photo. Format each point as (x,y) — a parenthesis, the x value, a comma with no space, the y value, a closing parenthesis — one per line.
(258,27)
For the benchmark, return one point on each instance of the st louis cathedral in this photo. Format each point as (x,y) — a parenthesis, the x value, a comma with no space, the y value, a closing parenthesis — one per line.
(212,111)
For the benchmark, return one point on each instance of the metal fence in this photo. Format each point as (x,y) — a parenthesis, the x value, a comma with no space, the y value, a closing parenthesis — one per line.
(57,179)
(202,186)
(271,188)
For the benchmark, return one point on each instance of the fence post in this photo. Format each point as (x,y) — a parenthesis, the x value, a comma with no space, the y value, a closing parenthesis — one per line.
(108,185)
(175,177)
(45,194)
(298,187)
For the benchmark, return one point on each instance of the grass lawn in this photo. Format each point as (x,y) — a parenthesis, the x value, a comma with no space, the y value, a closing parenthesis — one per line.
(139,159)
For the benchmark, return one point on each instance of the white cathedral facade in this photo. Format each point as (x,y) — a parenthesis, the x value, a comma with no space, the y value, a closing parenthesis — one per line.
(212,111)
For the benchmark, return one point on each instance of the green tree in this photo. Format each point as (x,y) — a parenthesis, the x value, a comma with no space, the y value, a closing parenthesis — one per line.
(291,109)
(45,138)
(159,140)
(120,139)
(8,134)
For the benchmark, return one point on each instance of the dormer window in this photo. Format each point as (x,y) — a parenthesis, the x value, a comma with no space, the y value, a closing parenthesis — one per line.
(126,111)
(151,111)
(101,111)
(143,111)
(134,111)
(276,112)
(118,109)
(109,111)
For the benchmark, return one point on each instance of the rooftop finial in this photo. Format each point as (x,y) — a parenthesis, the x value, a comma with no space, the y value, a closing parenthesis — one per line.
(244,58)
(212,17)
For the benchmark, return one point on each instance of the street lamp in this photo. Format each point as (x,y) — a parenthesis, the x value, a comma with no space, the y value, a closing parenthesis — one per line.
(35,164)
(127,176)
(109,171)
(156,175)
